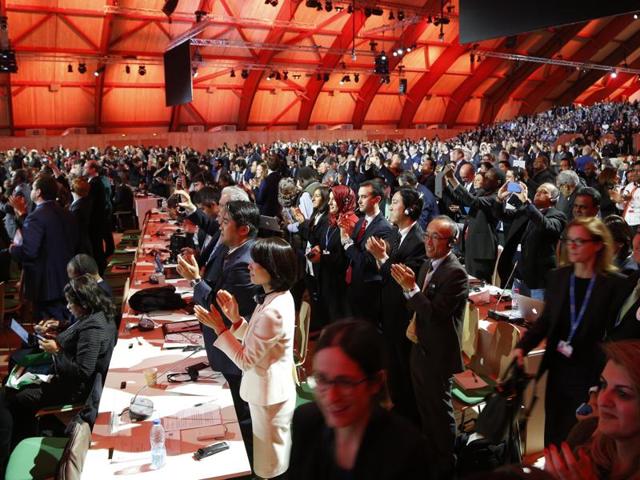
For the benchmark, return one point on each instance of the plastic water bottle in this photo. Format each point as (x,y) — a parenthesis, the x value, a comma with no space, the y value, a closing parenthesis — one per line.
(158,450)
(514,300)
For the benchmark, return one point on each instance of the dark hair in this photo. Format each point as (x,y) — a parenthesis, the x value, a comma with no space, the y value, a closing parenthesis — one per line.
(83,264)
(359,341)
(621,232)
(85,292)
(306,175)
(174,200)
(412,202)
(245,213)
(408,178)
(47,185)
(278,258)
(377,187)
(273,162)
(324,193)
(208,196)
(199,177)
(591,192)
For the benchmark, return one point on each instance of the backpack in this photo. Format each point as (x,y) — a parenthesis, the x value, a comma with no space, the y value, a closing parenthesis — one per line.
(156,298)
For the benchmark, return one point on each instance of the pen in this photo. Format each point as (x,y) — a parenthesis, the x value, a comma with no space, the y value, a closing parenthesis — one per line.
(203,403)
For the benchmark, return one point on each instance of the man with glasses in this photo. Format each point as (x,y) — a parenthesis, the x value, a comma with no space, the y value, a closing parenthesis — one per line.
(438,297)
(531,240)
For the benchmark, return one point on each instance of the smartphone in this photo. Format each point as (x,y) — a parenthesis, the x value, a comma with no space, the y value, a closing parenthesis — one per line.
(514,187)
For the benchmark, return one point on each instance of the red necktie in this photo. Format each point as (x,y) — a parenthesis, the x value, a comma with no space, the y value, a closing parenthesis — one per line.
(349,271)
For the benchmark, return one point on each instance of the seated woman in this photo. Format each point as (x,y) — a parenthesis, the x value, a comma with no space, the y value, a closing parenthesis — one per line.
(614,450)
(346,434)
(265,355)
(79,353)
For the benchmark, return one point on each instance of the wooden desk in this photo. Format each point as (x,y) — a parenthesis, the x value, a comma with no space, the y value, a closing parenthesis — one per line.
(136,351)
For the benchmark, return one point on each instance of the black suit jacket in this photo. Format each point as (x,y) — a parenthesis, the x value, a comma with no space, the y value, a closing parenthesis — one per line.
(627,327)
(227,271)
(381,455)
(395,316)
(81,210)
(440,313)
(364,265)
(538,252)
(267,195)
(481,243)
(607,297)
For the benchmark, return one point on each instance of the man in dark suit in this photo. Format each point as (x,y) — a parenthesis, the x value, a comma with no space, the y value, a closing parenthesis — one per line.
(406,206)
(80,208)
(267,193)
(99,213)
(227,269)
(627,325)
(481,238)
(363,278)
(532,238)
(429,200)
(540,174)
(49,240)
(438,298)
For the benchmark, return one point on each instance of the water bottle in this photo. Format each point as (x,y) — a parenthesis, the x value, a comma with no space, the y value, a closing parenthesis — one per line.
(514,300)
(158,451)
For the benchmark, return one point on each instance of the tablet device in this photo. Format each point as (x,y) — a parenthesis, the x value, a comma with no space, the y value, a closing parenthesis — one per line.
(19,330)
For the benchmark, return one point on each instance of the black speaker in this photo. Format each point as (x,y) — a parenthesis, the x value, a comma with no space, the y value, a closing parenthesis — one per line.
(169,7)
(402,89)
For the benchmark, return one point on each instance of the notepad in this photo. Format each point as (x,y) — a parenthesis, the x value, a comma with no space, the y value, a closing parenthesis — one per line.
(468,380)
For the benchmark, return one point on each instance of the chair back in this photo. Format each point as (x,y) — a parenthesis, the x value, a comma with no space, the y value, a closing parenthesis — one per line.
(72,461)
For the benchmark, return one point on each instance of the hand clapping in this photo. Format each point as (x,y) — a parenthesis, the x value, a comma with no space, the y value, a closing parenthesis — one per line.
(404,276)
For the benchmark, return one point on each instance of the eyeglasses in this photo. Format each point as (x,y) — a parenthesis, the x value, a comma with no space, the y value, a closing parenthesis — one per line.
(343,385)
(434,237)
(578,242)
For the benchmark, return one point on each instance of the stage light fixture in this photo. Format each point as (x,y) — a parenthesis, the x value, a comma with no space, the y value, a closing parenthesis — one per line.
(233,73)
(244,74)
(400,15)
(142,70)
(356,77)
(391,17)
(328,6)
(326,77)
(200,14)
(614,74)
(82,68)
(169,7)
(99,71)
(127,69)
(70,68)
(285,75)
(194,72)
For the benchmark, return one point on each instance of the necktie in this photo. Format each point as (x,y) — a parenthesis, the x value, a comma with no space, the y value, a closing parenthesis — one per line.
(349,272)
(629,302)
(411,328)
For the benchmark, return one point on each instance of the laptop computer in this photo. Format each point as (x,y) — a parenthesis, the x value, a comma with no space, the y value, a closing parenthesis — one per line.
(529,310)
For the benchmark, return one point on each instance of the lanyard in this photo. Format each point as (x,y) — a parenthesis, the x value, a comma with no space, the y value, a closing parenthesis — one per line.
(575,321)
(327,236)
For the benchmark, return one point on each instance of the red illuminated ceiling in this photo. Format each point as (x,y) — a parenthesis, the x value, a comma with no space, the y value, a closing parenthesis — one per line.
(444,85)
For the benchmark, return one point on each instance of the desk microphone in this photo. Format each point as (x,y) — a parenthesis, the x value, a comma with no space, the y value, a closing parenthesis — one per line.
(141,408)
(493,313)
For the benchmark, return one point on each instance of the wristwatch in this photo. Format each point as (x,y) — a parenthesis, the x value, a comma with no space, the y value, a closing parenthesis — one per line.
(195,281)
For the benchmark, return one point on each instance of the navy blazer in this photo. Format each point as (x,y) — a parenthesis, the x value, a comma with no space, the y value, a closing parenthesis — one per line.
(230,272)
(81,210)
(49,241)
(362,262)
(267,195)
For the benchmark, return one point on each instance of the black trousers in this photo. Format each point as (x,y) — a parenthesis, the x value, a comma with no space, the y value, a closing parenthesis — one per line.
(433,397)
(364,301)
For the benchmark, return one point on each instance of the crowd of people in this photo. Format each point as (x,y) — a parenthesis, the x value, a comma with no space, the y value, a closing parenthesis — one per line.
(380,238)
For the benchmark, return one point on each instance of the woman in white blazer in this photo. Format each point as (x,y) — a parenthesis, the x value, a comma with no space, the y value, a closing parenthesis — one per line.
(263,349)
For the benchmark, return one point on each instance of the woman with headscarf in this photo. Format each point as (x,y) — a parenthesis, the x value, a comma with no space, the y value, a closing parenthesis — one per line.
(328,254)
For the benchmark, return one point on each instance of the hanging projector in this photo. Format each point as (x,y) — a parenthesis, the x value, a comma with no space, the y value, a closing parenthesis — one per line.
(8,62)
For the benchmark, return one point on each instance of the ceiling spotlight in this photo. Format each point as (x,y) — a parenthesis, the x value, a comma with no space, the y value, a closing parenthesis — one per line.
(194,72)
(373,45)
(233,73)
(98,71)
(296,76)
(285,75)
(614,74)
(82,68)
(127,69)
(356,77)
(313,4)
(400,15)
(244,74)
(345,79)
(142,70)
(200,14)
(328,6)
(472,58)
(400,51)
(350,9)
(391,17)
(383,56)
(270,76)
(326,77)
(274,3)
(367,12)
(278,77)
(169,7)
(408,49)
(70,68)
(394,53)
(635,16)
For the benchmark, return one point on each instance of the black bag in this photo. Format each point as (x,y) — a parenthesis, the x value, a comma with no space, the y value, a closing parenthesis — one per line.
(156,298)
(502,409)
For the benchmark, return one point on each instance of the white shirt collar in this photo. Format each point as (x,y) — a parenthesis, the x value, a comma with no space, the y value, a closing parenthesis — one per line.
(438,261)
(404,231)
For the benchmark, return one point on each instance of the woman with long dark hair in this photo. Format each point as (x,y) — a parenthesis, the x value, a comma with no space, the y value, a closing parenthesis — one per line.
(263,349)
(79,353)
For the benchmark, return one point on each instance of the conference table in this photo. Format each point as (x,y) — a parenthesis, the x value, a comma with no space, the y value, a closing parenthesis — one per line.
(194,414)
(143,204)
